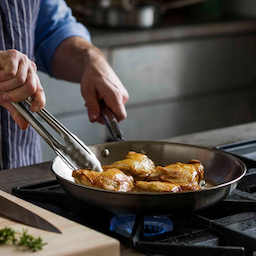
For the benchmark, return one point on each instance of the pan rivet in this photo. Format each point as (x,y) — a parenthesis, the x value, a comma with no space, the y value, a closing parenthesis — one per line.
(144,151)
(105,152)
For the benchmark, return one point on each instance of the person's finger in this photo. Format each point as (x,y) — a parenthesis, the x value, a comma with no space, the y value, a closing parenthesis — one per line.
(17,81)
(9,63)
(117,107)
(39,97)
(115,97)
(16,116)
(125,96)
(98,120)
(92,104)
(22,92)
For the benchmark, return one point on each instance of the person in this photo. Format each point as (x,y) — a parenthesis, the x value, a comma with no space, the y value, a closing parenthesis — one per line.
(44,35)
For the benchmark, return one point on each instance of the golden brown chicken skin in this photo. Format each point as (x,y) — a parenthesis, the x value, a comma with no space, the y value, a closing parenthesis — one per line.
(157,186)
(138,173)
(110,179)
(187,176)
(136,164)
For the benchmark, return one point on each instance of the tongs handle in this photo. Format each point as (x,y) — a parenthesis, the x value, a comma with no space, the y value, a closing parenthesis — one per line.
(111,122)
(35,123)
(52,121)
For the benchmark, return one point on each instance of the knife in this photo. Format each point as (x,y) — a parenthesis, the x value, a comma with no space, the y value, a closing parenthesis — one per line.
(20,214)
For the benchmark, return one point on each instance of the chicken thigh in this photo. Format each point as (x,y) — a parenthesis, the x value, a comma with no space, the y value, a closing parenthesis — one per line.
(187,176)
(110,179)
(136,164)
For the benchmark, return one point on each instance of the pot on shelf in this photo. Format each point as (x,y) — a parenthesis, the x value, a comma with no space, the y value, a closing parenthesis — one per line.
(128,13)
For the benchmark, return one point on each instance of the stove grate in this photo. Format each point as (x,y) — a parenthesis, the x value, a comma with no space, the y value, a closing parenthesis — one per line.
(227,228)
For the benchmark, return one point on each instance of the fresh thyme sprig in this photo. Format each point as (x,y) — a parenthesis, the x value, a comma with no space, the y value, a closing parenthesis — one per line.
(10,236)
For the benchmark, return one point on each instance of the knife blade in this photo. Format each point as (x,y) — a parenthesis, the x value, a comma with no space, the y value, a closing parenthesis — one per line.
(20,214)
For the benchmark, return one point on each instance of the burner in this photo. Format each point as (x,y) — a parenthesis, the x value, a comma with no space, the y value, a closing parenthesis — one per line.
(153,225)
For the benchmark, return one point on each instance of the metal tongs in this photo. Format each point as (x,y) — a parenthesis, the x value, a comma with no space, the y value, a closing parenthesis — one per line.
(75,153)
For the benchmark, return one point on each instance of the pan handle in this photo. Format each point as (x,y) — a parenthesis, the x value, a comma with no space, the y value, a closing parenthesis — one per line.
(111,122)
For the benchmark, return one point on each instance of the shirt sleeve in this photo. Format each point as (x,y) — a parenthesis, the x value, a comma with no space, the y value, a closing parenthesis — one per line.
(55,23)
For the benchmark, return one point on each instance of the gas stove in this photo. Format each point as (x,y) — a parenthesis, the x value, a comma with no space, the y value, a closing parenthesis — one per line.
(227,228)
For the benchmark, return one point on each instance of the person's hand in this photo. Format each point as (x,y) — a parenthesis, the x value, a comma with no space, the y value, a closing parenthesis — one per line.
(18,81)
(99,82)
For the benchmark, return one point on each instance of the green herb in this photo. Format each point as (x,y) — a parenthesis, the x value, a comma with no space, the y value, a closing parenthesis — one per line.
(7,236)
(34,244)
(10,236)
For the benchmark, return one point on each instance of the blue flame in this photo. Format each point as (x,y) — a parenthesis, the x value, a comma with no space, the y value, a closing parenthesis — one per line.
(153,225)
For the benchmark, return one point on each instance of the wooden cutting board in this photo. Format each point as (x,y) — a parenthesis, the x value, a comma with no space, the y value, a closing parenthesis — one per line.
(74,240)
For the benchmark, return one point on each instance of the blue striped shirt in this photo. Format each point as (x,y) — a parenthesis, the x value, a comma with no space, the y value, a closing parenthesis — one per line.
(35,28)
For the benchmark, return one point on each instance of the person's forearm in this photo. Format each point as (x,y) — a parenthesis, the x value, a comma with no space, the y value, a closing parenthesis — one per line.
(71,58)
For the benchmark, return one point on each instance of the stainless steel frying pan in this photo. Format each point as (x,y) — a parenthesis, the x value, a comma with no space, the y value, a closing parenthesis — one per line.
(221,169)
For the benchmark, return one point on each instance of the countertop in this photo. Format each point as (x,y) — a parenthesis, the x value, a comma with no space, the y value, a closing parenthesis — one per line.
(42,172)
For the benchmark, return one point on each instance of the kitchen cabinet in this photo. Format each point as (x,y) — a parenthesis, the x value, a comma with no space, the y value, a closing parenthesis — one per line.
(177,84)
